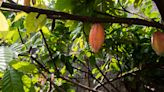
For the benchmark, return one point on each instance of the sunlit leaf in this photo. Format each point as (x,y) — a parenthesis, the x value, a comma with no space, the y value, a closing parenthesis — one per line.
(46,31)
(28,85)
(137,3)
(63,70)
(32,23)
(3,23)
(98,75)
(10,36)
(114,65)
(19,16)
(23,66)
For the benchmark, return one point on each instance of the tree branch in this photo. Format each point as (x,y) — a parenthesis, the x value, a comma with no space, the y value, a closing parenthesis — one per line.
(134,72)
(78,84)
(159,4)
(65,16)
(106,78)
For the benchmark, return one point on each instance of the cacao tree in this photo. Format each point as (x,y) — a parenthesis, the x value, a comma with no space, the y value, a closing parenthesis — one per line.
(81,46)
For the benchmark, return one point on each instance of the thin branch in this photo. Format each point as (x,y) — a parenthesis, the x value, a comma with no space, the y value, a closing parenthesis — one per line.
(134,72)
(78,84)
(65,16)
(88,75)
(49,51)
(119,77)
(20,36)
(79,69)
(50,54)
(90,72)
(40,64)
(64,78)
(106,78)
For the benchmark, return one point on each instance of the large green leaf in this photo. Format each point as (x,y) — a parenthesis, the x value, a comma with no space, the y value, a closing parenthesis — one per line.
(63,4)
(12,82)
(6,55)
(33,23)
(10,36)
(3,23)
(23,66)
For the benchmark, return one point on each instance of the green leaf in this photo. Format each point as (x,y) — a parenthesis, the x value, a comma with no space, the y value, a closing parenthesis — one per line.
(98,75)
(63,5)
(10,36)
(3,23)
(92,60)
(114,65)
(28,85)
(6,55)
(32,23)
(94,71)
(19,16)
(65,60)
(63,70)
(12,82)
(23,66)
(46,31)
(137,3)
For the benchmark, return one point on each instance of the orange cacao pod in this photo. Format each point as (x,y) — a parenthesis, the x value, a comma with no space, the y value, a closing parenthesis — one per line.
(96,37)
(157,42)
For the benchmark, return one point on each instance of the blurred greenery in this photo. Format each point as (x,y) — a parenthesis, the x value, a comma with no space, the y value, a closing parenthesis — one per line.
(35,58)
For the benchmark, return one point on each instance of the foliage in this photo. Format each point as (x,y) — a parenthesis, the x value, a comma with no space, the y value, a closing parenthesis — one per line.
(34,56)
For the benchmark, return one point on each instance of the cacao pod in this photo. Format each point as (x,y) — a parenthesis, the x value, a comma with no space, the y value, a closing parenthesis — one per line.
(96,37)
(157,42)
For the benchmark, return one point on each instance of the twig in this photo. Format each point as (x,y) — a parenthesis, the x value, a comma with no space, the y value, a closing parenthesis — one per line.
(119,77)
(78,84)
(90,72)
(20,36)
(134,72)
(49,51)
(40,64)
(106,78)
(125,10)
(43,67)
(50,54)
(65,16)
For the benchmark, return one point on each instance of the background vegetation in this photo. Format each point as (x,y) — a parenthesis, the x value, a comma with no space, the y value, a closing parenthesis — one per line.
(46,48)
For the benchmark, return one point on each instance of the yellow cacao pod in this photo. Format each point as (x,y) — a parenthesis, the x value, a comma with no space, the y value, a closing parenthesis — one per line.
(157,42)
(96,37)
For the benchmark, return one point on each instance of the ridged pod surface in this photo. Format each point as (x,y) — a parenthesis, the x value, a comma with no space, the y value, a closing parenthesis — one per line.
(96,37)
(157,42)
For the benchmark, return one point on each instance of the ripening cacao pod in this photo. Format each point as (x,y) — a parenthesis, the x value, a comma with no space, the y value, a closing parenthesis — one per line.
(96,37)
(157,42)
